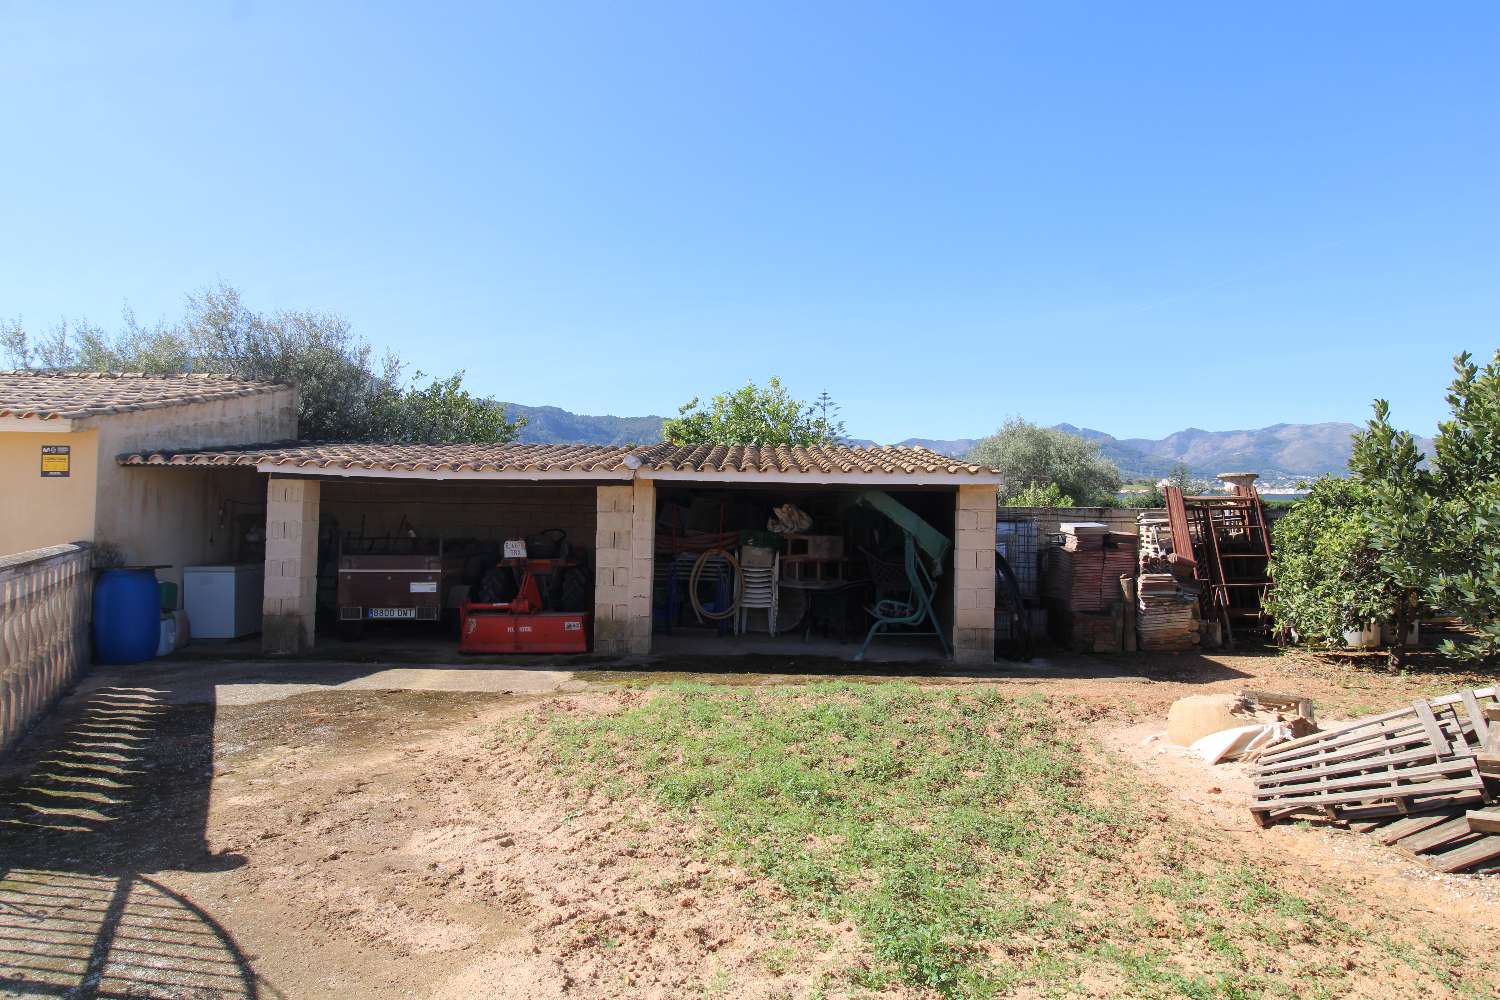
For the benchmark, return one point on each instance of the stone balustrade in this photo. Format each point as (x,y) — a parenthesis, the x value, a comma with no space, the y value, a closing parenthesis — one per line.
(45,610)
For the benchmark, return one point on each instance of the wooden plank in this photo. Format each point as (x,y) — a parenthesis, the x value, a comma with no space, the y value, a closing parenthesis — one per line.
(1463,765)
(1408,732)
(1484,820)
(1435,836)
(1430,724)
(1465,855)
(1341,768)
(1280,750)
(1470,783)
(1414,807)
(1471,708)
(1410,825)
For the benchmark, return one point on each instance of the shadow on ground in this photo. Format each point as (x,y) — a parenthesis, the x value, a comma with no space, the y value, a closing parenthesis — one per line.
(111,789)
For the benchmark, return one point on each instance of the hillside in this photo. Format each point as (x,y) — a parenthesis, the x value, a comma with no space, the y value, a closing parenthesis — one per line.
(1281,451)
(553,425)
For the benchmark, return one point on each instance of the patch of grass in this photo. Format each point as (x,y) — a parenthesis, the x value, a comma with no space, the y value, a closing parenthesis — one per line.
(975,841)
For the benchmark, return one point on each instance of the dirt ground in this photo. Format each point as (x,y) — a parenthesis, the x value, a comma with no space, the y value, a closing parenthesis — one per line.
(164,836)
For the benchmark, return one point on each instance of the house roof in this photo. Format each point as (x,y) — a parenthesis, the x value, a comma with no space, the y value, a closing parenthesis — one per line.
(711,463)
(344,457)
(749,459)
(59,395)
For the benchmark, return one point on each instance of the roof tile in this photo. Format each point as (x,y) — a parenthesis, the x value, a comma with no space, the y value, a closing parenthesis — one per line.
(59,395)
(544,458)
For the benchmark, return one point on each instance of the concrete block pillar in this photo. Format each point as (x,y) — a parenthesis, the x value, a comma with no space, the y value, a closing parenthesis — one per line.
(290,604)
(625,537)
(974,575)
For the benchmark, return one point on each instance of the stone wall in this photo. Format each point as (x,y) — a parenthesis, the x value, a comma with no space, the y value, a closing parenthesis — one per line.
(974,575)
(290,605)
(624,536)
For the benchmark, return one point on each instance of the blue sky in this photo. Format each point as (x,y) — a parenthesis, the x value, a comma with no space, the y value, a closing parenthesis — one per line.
(1133,217)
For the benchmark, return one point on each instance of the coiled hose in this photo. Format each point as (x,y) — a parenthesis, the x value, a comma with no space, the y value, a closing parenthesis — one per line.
(697,572)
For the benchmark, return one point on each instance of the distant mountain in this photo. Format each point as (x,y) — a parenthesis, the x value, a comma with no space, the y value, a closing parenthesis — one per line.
(552,425)
(1279,452)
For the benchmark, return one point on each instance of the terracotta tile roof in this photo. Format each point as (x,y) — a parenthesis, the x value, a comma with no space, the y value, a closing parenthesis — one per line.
(55,395)
(717,460)
(891,459)
(342,456)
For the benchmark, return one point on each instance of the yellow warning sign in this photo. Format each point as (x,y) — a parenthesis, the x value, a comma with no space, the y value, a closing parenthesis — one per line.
(57,460)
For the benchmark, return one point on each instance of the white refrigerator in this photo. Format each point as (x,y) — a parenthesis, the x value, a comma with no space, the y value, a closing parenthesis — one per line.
(223,602)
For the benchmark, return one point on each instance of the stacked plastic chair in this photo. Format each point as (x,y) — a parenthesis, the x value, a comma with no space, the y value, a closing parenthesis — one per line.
(759,591)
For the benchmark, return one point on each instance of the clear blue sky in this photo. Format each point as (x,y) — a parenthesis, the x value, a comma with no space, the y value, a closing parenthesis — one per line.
(1136,217)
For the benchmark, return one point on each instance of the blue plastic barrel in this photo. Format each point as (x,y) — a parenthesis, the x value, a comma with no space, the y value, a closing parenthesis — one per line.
(127,616)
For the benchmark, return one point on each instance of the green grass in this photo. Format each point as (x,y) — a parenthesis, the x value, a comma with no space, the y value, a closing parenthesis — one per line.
(974,840)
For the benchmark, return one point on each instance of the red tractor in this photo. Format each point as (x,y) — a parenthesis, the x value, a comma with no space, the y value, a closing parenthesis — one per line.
(529,605)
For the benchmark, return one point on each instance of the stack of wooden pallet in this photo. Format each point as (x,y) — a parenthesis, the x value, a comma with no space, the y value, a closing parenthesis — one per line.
(1419,777)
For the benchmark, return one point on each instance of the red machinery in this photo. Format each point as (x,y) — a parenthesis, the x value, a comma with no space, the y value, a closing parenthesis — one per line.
(522,625)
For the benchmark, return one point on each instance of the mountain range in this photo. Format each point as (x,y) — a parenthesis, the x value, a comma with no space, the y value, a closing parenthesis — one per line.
(1280,452)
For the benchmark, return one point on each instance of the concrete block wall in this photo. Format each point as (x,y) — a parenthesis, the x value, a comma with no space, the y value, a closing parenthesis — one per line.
(974,575)
(625,536)
(1049,519)
(290,603)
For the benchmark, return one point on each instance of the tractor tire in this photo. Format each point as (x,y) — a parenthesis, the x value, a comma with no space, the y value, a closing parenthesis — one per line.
(498,586)
(577,590)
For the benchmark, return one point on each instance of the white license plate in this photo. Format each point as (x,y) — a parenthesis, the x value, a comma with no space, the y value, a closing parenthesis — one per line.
(393,612)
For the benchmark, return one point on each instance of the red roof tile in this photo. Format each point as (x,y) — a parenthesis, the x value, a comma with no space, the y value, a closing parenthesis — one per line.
(54,395)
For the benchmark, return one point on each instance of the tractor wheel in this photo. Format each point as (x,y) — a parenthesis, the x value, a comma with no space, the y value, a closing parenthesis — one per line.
(576,590)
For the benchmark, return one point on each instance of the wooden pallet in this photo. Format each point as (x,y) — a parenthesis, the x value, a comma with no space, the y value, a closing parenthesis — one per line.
(1412,760)
(1417,779)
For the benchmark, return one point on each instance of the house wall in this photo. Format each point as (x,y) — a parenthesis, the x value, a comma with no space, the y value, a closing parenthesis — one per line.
(182,517)
(41,512)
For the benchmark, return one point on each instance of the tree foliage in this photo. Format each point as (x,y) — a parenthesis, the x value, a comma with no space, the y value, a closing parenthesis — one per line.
(1465,517)
(1326,568)
(345,393)
(1035,495)
(753,415)
(1031,456)
(1399,535)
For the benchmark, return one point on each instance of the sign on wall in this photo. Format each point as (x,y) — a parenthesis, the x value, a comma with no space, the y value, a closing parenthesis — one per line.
(57,461)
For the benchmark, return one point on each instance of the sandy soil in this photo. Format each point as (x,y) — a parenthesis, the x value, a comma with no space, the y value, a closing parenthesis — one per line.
(357,843)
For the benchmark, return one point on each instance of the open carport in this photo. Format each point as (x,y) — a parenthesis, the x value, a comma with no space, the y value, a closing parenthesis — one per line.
(637,521)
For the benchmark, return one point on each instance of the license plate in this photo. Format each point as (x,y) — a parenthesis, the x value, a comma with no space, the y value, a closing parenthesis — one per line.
(393,612)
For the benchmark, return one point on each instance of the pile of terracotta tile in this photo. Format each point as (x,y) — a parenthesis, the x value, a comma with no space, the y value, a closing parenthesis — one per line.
(1166,618)
(1081,586)
(1166,607)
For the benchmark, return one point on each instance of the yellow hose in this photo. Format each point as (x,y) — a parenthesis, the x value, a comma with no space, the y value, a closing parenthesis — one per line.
(693,585)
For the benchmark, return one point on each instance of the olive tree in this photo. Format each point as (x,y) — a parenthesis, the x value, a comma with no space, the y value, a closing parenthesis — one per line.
(1029,456)
(344,391)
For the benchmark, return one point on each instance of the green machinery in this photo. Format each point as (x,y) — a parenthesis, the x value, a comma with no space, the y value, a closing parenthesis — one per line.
(904,592)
